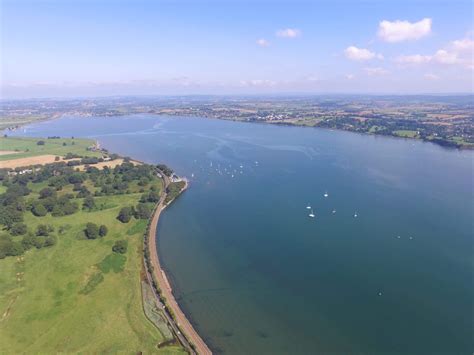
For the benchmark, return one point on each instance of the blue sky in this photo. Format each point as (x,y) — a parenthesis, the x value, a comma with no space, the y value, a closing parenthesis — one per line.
(89,48)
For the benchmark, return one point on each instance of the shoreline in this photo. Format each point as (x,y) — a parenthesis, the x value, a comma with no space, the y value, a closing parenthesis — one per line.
(179,318)
(275,123)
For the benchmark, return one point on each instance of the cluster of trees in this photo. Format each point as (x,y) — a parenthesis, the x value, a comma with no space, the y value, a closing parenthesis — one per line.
(11,245)
(140,211)
(49,202)
(15,236)
(165,169)
(93,231)
(174,190)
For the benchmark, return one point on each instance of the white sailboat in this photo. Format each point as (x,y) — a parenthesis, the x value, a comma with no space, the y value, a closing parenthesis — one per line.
(326,194)
(312,215)
(355,215)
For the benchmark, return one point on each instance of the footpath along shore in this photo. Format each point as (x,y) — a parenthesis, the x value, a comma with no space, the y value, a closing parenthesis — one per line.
(179,317)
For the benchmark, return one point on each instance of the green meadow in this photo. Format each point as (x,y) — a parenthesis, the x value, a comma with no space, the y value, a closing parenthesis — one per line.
(28,147)
(78,295)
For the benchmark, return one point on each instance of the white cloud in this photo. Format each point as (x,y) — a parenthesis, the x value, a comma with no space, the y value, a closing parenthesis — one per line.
(398,31)
(360,54)
(350,76)
(431,76)
(458,52)
(258,83)
(312,78)
(289,33)
(375,71)
(461,45)
(262,42)
(413,59)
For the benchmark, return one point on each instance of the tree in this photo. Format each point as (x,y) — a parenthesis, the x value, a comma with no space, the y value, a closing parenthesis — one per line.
(49,241)
(125,214)
(38,209)
(92,230)
(47,192)
(43,230)
(10,215)
(120,247)
(28,241)
(83,192)
(70,208)
(103,230)
(18,229)
(89,203)
(143,211)
(40,143)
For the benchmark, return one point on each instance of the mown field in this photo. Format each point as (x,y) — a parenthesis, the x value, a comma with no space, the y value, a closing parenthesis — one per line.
(78,295)
(28,147)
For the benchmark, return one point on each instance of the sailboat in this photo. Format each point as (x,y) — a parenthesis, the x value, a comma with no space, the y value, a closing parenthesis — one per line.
(326,194)
(312,215)
(355,215)
(308,207)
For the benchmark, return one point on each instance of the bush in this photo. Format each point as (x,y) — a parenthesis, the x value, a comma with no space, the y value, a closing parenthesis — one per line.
(125,214)
(49,241)
(92,231)
(18,229)
(120,247)
(47,192)
(9,248)
(103,230)
(143,211)
(89,203)
(38,209)
(40,143)
(44,230)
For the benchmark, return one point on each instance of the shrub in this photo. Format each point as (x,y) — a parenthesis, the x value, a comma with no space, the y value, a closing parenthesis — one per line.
(91,231)
(38,209)
(44,230)
(47,192)
(125,214)
(40,143)
(143,211)
(120,247)
(89,203)
(103,230)
(18,229)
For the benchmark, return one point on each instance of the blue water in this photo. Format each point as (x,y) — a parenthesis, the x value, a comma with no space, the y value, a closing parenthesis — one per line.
(256,275)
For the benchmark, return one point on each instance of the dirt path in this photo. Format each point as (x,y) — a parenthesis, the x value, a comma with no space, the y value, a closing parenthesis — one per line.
(181,320)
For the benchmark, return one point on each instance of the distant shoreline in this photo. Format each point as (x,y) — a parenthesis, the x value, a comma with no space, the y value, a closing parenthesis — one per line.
(439,143)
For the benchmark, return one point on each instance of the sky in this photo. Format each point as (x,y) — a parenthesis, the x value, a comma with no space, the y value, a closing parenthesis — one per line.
(91,48)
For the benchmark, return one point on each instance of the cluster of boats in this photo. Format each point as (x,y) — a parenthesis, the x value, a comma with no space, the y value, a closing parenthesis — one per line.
(313,215)
(222,170)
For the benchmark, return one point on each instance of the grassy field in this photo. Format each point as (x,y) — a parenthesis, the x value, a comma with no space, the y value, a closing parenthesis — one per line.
(79,296)
(27,147)
(406,133)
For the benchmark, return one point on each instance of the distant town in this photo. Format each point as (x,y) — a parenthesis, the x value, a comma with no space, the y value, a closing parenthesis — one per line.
(444,120)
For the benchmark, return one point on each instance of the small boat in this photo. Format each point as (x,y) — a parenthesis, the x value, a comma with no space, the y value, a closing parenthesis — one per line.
(326,194)
(192,175)
(333,211)
(308,207)
(355,215)
(312,215)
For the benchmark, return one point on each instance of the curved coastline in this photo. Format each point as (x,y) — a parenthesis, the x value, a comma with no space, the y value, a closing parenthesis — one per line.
(159,274)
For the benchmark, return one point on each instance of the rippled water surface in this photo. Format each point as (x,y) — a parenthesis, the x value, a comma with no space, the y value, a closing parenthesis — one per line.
(256,274)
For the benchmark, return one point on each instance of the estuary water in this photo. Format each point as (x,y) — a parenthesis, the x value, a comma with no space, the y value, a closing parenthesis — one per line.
(386,264)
